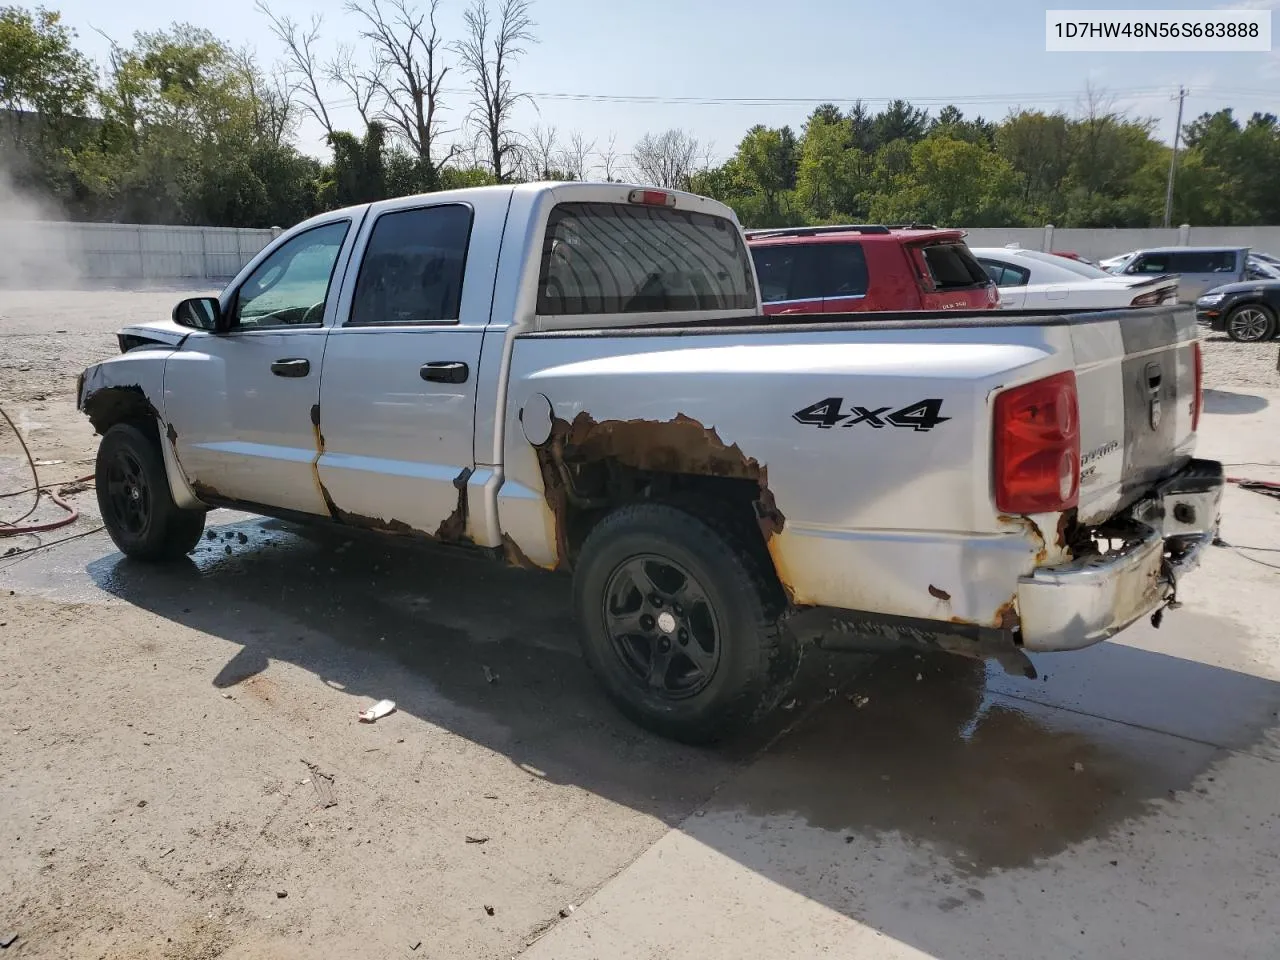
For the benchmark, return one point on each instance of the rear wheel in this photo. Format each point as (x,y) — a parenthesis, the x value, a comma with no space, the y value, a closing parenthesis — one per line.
(1251,323)
(133,495)
(680,623)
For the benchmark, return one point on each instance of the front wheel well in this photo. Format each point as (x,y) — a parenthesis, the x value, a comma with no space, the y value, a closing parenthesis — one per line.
(111,405)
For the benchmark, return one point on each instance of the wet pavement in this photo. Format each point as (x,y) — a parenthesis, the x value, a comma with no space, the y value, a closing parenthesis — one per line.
(898,794)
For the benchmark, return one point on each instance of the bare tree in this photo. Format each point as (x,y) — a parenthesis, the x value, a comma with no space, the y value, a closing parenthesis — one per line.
(544,144)
(609,158)
(361,82)
(488,53)
(303,69)
(408,72)
(576,156)
(271,97)
(666,159)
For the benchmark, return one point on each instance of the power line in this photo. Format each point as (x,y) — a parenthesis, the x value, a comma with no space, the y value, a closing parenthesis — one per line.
(976,99)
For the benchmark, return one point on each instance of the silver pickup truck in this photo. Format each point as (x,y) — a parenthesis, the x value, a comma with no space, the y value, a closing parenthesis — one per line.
(576,377)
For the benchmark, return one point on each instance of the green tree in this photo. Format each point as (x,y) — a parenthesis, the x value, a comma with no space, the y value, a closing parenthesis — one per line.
(833,181)
(359,170)
(45,89)
(900,121)
(952,182)
(766,160)
(1037,145)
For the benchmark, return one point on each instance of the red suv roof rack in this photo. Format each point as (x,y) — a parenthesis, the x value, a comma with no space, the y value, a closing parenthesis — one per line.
(815,231)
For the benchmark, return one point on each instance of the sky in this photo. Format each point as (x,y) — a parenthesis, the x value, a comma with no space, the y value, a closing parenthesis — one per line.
(699,59)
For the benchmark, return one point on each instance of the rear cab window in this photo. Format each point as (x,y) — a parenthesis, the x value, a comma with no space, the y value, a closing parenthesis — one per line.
(617,258)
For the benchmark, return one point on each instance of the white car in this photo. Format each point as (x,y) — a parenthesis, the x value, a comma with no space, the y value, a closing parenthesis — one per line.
(1031,280)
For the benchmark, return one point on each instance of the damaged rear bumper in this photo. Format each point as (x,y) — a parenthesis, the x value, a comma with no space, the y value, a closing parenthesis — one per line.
(1090,599)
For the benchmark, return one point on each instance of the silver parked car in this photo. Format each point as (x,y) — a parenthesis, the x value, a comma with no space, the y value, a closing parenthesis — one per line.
(1198,268)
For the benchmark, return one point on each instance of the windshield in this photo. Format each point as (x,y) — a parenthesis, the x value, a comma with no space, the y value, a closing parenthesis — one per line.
(602,258)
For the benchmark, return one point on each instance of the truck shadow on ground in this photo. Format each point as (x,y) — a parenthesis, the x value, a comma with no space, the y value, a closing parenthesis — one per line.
(1224,401)
(989,771)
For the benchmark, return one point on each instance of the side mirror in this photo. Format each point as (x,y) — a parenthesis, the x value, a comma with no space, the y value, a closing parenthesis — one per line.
(199,313)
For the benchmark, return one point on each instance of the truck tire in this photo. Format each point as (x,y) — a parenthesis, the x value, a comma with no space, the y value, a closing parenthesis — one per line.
(133,495)
(680,623)
(1251,323)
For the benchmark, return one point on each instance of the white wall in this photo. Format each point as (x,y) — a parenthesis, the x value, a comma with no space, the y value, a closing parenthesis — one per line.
(49,253)
(1097,243)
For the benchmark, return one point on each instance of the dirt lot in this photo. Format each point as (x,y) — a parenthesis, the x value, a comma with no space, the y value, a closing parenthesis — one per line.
(183,775)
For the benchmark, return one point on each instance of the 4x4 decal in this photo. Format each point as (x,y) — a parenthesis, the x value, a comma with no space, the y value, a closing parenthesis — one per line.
(919,416)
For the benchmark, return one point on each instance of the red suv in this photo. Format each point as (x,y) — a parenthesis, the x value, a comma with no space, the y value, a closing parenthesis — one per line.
(856,268)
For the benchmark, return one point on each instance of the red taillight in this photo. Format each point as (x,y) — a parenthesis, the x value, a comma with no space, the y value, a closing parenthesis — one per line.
(1197,398)
(1037,446)
(1148,299)
(652,198)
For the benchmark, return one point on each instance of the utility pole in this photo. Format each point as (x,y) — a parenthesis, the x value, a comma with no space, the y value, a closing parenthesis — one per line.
(1173,160)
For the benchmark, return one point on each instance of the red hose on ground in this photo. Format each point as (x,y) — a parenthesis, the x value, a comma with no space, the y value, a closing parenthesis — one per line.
(72,516)
(19,528)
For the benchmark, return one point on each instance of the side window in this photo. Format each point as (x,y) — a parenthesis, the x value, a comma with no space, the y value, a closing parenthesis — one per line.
(1192,262)
(413,267)
(291,286)
(787,272)
(846,273)
(1151,263)
(1014,276)
(1005,274)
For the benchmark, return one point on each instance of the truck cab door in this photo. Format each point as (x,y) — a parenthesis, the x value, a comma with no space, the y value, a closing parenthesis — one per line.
(239,403)
(398,396)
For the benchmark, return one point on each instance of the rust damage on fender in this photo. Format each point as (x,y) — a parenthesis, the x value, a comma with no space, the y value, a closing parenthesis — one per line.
(453,528)
(107,406)
(1029,527)
(680,447)
(939,594)
(204,491)
(514,556)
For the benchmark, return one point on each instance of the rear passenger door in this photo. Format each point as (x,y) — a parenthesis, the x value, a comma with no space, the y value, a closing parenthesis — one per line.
(398,393)
(844,277)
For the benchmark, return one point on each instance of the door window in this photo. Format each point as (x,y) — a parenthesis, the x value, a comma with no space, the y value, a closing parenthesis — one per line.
(788,272)
(1005,274)
(1151,263)
(846,273)
(291,286)
(1212,261)
(413,267)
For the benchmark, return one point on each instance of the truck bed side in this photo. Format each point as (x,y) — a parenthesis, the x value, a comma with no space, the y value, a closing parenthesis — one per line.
(866,445)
